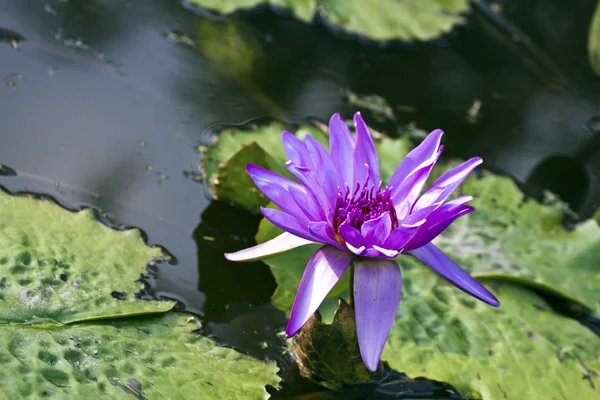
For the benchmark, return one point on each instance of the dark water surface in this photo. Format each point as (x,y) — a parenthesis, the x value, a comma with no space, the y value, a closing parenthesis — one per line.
(102,104)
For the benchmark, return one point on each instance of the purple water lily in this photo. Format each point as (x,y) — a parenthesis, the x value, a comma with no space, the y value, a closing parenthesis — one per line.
(339,201)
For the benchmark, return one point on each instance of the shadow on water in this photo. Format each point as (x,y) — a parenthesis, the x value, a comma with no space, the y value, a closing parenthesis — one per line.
(104,102)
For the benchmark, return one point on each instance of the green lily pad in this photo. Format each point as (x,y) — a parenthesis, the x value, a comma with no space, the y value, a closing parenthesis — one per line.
(379,20)
(522,350)
(594,40)
(304,10)
(58,266)
(512,238)
(155,357)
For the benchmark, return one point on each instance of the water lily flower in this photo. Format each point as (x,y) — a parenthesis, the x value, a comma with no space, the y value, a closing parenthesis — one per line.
(339,201)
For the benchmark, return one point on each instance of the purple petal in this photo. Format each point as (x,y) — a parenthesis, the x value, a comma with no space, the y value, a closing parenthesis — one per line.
(287,223)
(282,243)
(276,188)
(307,204)
(377,291)
(445,185)
(311,183)
(409,190)
(443,265)
(341,145)
(421,156)
(296,150)
(365,154)
(324,232)
(375,231)
(331,180)
(436,223)
(351,235)
(323,271)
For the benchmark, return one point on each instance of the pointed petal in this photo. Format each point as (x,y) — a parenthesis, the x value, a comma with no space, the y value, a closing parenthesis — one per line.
(365,153)
(296,150)
(307,204)
(282,243)
(312,185)
(443,265)
(323,271)
(341,145)
(287,223)
(331,180)
(421,156)
(377,291)
(436,223)
(375,231)
(446,184)
(409,190)
(276,188)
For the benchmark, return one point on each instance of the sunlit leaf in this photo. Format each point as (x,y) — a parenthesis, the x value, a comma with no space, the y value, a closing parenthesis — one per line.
(154,357)
(513,238)
(58,266)
(522,350)
(379,20)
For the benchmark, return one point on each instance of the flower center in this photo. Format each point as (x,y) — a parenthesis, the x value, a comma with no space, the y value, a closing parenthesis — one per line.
(361,205)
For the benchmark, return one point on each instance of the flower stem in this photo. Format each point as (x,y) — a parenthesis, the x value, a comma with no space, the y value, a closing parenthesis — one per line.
(351,287)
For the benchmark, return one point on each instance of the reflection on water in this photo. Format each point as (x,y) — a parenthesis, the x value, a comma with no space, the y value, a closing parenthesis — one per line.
(98,78)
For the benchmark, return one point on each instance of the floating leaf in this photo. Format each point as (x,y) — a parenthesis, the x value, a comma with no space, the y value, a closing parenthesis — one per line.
(304,10)
(233,184)
(594,40)
(522,350)
(155,357)
(518,239)
(380,20)
(58,266)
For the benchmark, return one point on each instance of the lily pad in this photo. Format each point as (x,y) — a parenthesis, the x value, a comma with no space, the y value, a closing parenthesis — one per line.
(522,350)
(594,41)
(380,20)
(304,10)
(155,357)
(513,238)
(59,267)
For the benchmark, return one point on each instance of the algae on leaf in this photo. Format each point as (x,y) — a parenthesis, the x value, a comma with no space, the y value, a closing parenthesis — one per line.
(58,266)
(522,350)
(155,357)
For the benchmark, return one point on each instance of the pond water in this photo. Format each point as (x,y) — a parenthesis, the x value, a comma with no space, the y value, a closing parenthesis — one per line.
(103,104)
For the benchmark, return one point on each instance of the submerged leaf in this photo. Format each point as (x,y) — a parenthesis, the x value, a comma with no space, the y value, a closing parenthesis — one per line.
(154,357)
(522,350)
(58,266)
